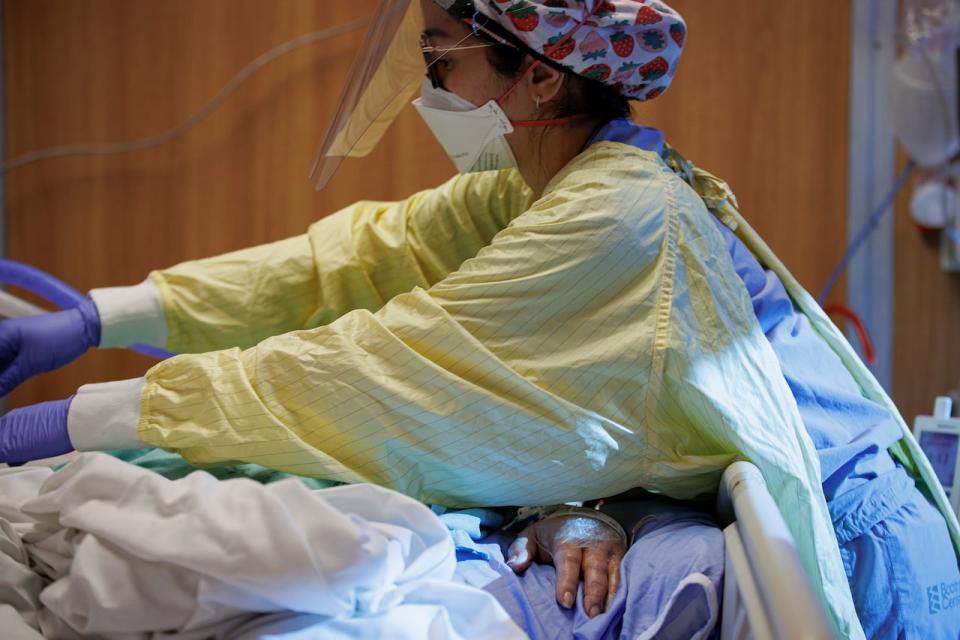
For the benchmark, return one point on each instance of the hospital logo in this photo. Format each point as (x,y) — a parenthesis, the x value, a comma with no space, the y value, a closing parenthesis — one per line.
(933,598)
(943,596)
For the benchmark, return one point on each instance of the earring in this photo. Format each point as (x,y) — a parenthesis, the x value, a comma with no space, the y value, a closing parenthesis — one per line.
(538,103)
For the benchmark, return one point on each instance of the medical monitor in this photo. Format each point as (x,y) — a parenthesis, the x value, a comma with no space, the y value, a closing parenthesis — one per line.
(939,437)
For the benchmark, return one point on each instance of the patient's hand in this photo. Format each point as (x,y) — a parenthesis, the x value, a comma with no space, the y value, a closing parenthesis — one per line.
(574,543)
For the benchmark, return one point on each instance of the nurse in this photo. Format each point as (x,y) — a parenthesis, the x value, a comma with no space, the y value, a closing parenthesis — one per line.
(579,312)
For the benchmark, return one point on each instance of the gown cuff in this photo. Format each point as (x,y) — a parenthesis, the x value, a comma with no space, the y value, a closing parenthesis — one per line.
(130,315)
(105,416)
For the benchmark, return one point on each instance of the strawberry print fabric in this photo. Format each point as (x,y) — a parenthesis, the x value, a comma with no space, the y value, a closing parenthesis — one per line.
(632,45)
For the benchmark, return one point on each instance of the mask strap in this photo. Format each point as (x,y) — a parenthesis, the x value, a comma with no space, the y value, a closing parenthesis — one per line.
(553,122)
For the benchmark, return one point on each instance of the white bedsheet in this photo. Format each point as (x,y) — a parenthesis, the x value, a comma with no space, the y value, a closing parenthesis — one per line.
(118,551)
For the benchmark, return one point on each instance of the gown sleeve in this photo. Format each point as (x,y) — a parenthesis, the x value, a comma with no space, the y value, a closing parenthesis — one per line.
(356,258)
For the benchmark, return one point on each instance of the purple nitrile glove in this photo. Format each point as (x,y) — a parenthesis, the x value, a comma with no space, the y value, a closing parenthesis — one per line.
(37,344)
(35,432)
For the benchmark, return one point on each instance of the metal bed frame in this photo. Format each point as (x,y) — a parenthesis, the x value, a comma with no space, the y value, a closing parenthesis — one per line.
(766,593)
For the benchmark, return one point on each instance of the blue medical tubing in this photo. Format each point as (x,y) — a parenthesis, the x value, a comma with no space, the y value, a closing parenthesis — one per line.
(865,231)
(59,294)
(56,292)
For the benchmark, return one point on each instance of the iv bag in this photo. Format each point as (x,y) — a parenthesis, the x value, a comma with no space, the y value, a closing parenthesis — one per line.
(923,86)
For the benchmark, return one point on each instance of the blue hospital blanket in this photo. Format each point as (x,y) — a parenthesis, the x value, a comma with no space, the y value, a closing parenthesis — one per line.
(671,582)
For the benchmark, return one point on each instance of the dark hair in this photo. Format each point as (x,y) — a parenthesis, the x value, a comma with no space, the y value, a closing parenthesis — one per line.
(583,95)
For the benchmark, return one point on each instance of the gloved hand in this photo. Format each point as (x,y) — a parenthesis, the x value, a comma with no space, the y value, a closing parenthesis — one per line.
(37,344)
(34,432)
(575,541)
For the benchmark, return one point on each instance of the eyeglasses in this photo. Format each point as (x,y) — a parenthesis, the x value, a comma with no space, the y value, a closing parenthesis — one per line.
(432,55)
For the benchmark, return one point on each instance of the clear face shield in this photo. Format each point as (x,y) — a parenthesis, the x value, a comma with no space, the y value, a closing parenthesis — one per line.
(397,58)
(389,70)
(384,78)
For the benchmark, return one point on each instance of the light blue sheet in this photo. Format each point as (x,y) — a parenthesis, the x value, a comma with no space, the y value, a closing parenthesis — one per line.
(894,544)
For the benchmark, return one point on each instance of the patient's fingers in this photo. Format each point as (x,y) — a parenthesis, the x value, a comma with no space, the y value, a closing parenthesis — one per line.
(522,552)
(596,566)
(574,545)
(613,574)
(567,561)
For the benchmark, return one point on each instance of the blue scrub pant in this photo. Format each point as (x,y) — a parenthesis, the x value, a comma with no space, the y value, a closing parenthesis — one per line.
(899,560)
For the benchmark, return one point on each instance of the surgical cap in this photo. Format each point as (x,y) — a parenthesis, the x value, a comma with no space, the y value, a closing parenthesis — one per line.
(631,45)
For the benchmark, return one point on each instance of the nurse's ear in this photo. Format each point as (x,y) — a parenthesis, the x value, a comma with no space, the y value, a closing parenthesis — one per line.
(544,85)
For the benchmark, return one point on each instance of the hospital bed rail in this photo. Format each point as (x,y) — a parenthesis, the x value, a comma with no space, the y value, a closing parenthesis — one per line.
(767,593)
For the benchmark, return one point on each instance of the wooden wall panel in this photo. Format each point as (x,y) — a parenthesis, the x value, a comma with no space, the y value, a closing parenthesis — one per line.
(760,99)
(107,70)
